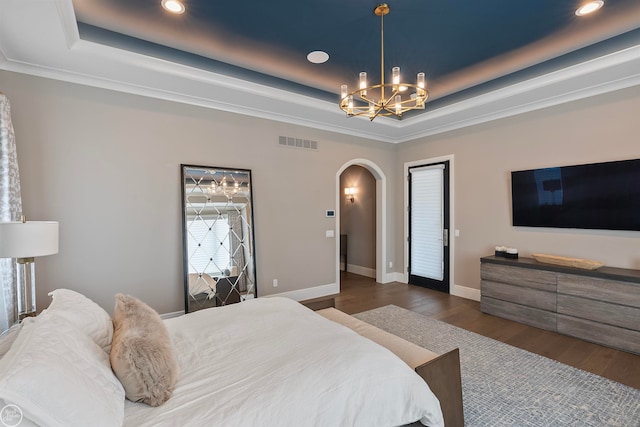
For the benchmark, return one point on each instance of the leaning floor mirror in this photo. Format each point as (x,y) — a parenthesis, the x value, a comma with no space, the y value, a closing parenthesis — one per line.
(218,246)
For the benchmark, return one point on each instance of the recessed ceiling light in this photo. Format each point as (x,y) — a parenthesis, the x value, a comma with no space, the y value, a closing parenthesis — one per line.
(173,6)
(590,7)
(318,57)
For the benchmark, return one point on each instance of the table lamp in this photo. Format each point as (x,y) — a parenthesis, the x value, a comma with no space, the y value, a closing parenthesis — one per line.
(25,240)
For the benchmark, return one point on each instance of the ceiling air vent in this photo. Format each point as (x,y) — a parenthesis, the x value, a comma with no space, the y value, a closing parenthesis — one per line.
(288,141)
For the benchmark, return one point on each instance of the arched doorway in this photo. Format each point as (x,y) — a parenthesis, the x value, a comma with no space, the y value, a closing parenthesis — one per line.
(381,216)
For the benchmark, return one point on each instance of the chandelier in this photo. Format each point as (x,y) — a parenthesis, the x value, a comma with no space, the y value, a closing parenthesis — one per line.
(384,99)
(223,188)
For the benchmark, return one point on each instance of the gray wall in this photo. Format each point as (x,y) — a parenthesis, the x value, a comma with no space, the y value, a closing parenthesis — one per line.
(602,128)
(106,166)
(358,219)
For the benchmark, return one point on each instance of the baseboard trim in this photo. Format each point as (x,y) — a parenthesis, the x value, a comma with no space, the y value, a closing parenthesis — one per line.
(455,290)
(309,293)
(297,295)
(170,315)
(464,292)
(394,277)
(363,271)
(334,288)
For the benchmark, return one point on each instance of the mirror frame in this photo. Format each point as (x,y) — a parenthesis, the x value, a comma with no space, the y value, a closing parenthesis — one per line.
(185,249)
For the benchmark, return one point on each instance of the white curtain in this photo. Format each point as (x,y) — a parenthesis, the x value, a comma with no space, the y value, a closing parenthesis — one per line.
(10,210)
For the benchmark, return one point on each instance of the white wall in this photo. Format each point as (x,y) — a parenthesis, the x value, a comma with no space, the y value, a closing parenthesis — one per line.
(602,128)
(106,165)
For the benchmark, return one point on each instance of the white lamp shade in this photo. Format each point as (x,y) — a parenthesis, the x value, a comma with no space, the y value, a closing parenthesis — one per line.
(28,239)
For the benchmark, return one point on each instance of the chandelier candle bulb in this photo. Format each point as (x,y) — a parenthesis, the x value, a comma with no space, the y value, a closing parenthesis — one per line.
(421,84)
(363,83)
(350,104)
(421,93)
(398,104)
(395,75)
(343,95)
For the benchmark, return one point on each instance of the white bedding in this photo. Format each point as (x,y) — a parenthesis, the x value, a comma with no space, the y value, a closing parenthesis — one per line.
(273,362)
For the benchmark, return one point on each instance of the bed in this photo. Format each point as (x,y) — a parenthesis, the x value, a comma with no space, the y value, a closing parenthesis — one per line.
(264,362)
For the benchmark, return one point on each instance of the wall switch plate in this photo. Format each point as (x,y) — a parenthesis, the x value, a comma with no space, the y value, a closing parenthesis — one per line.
(329,233)
(275,283)
(456,233)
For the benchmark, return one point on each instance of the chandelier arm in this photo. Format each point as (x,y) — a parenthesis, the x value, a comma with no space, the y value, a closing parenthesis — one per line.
(365,98)
(383,112)
(390,99)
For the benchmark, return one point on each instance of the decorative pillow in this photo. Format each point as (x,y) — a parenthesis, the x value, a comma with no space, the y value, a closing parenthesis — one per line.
(84,314)
(141,352)
(58,376)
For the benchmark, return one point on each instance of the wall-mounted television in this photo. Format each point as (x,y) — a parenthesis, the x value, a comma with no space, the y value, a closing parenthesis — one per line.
(603,196)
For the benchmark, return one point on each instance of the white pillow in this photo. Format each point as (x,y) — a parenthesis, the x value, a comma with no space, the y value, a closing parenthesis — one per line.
(58,376)
(83,313)
(9,336)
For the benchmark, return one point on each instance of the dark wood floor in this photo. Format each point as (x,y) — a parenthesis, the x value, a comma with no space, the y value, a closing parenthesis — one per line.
(359,293)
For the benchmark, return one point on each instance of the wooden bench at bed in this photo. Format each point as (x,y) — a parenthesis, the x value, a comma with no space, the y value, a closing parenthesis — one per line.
(441,372)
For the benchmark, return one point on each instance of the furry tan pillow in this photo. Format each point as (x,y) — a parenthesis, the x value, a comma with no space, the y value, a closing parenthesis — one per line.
(141,353)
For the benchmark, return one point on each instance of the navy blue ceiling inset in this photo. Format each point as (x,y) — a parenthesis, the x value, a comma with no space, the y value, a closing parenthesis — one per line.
(458,44)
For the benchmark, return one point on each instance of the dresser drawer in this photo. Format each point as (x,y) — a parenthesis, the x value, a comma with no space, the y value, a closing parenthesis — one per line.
(527,277)
(612,336)
(598,311)
(600,289)
(517,294)
(520,313)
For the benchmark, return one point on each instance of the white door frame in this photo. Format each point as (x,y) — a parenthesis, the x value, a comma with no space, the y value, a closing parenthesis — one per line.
(452,216)
(381,217)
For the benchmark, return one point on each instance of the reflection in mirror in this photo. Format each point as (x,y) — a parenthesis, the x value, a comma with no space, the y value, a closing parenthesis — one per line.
(218,248)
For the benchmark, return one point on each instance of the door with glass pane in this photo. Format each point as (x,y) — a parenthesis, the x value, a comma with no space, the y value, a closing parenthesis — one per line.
(429,226)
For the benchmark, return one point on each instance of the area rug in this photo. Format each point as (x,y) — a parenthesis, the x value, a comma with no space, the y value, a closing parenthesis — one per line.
(506,386)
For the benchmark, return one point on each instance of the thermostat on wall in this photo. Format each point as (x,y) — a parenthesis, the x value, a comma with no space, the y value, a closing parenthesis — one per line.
(331,214)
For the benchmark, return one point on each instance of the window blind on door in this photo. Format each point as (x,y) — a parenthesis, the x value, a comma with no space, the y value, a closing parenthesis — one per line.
(427,222)
(209,238)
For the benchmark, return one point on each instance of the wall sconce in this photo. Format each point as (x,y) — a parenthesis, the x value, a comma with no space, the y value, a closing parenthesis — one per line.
(349,192)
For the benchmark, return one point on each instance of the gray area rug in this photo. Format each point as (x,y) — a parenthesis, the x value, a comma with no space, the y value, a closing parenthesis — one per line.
(506,386)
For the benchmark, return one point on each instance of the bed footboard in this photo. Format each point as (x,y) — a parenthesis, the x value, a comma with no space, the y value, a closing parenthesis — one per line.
(443,376)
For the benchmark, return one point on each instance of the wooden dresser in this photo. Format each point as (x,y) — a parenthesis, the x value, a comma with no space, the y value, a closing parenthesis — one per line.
(601,306)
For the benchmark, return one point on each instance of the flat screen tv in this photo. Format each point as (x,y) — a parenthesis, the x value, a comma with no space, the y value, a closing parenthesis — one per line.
(603,196)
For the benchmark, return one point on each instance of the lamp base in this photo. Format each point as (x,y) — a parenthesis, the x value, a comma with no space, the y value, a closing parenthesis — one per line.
(26,292)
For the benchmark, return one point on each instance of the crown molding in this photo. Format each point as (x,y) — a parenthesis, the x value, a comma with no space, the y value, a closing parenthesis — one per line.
(42,39)
(615,71)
